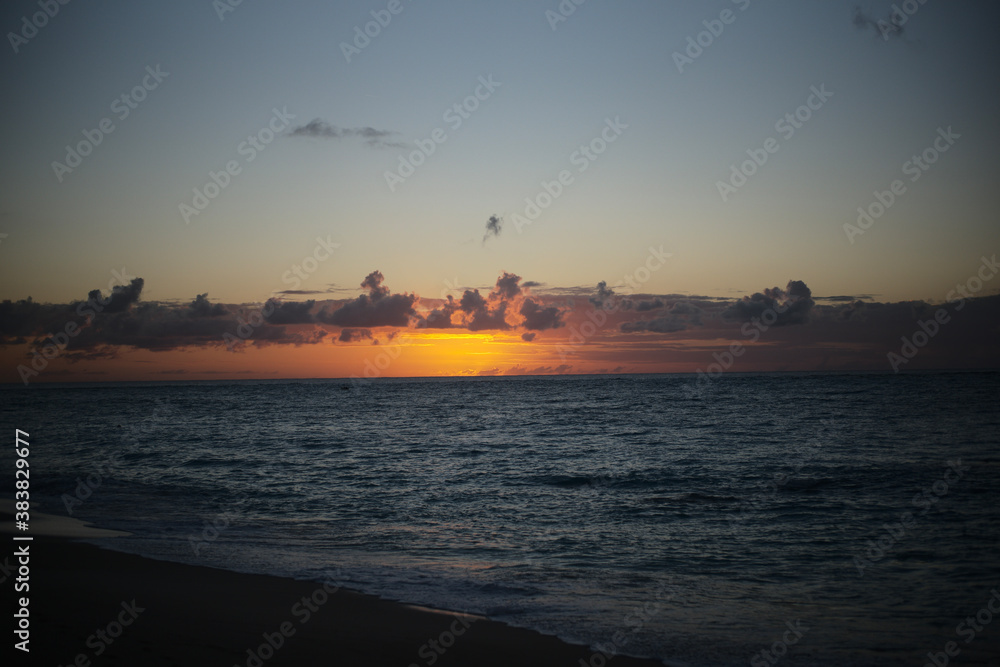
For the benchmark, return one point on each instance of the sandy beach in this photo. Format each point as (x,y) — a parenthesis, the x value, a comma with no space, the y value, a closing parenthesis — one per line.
(95,606)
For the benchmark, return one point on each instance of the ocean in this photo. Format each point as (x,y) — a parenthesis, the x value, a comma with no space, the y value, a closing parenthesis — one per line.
(800,519)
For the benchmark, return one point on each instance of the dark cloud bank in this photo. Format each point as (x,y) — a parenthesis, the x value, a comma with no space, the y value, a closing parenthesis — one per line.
(102,324)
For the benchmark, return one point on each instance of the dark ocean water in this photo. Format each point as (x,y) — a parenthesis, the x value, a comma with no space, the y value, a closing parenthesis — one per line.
(625,512)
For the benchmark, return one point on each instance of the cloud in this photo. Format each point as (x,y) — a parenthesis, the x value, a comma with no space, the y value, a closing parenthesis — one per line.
(540,370)
(480,314)
(507,287)
(666,324)
(20,319)
(201,307)
(440,318)
(290,312)
(373,283)
(838,334)
(490,312)
(122,296)
(604,293)
(688,310)
(321,129)
(788,306)
(835,299)
(886,28)
(684,308)
(645,306)
(549,370)
(303,292)
(378,308)
(493,227)
(351,335)
(103,324)
(853,310)
(539,318)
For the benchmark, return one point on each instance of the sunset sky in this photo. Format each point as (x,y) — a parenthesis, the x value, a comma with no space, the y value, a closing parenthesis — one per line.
(645,128)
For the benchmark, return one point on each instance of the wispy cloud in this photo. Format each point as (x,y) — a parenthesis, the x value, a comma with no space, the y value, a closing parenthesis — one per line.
(886,28)
(493,227)
(321,129)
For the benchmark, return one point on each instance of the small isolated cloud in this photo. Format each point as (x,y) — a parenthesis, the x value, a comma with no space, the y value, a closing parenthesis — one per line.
(321,129)
(528,336)
(493,227)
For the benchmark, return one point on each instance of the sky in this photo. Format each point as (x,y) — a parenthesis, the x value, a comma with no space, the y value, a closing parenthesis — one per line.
(355,164)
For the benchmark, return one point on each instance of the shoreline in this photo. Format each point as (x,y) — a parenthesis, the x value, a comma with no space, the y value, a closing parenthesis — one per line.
(94,604)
